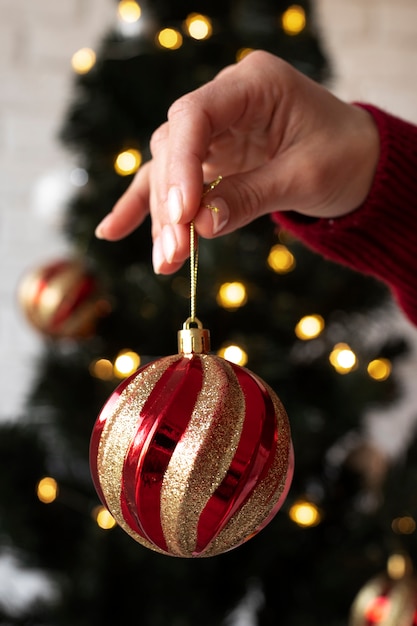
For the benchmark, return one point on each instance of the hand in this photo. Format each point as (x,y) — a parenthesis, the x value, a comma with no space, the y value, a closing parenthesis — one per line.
(281,142)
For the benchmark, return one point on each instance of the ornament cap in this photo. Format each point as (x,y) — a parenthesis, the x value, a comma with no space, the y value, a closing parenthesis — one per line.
(193,338)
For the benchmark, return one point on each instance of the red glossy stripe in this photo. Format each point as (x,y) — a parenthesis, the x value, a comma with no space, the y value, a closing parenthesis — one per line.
(80,292)
(253,457)
(48,273)
(104,415)
(166,415)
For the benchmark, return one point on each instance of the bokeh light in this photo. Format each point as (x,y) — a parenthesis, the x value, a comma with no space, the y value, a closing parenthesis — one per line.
(47,490)
(129,11)
(234,354)
(169,38)
(198,26)
(294,20)
(343,358)
(232,295)
(379,369)
(126,363)
(405,525)
(83,60)
(128,162)
(309,327)
(103,518)
(280,259)
(305,513)
(102,369)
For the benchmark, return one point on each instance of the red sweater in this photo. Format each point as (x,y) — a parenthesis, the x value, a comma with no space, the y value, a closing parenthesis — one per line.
(380,237)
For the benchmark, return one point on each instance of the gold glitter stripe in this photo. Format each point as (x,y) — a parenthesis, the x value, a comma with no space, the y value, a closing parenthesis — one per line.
(259,506)
(118,431)
(202,457)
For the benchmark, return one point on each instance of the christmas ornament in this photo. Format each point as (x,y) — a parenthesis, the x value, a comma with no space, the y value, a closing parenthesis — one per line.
(386,602)
(192,454)
(62,299)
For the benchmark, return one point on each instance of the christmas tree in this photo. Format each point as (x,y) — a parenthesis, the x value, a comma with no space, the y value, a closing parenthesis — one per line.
(326,339)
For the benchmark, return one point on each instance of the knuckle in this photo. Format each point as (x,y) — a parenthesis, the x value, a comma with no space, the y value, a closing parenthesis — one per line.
(158,137)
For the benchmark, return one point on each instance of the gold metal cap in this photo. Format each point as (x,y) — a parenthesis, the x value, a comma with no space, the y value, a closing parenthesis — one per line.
(193,338)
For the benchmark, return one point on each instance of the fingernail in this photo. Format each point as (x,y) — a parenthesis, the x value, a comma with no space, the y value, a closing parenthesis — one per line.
(175,205)
(100,230)
(169,242)
(219,212)
(157,255)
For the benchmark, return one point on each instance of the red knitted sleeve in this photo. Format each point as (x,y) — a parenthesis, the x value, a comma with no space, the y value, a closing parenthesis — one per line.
(380,237)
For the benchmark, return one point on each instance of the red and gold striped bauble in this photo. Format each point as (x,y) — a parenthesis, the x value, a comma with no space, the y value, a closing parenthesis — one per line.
(62,298)
(192,454)
(386,602)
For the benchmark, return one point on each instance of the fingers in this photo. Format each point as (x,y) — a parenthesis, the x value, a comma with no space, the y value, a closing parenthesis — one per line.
(130,210)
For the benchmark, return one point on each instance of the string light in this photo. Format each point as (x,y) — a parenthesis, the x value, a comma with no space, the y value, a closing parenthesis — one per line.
(126,363)
(293,20)
(379,369)
(232,295)
(169,38)
(83,60)
(129,11)
(242,53)
(305,514)
(234,354)
(102,369)
(104,518)
(47,490)
(343,358)
(309,327)
(198,26)
(280,259)
(128,162)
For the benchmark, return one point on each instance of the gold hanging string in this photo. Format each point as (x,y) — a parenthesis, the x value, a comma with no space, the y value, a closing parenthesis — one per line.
(194,250)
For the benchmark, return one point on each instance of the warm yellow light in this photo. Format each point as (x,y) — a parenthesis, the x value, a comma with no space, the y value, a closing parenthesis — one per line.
(234,354)
(305,513)
(102,368)
(198,26)
(404,525)
(294,20)
(242,53)
(127,162)
(398,565)
(343,358)
(129,11)
(309,327)
(47,490)
(232,295)
(126,363)
(83,60)
(169,38)
(280,259)
(379,369)
(104,518)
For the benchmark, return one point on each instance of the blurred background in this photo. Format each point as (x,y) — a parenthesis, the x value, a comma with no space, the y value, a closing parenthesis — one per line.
(76,94)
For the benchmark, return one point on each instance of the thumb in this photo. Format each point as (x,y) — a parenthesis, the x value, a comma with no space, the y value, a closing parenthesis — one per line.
(235,202)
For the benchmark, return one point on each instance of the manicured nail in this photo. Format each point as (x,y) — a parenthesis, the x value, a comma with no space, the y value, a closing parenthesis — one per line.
(101,228)
(175,204)
(157,255)
(220,214)
(169,242)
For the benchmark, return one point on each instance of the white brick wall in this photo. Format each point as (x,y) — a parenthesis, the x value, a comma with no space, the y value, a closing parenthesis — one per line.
(37,40)
(372,45)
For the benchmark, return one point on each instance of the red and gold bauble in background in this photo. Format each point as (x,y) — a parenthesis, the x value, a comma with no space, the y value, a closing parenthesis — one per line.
(192,454)
(384,601)
(62,299)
